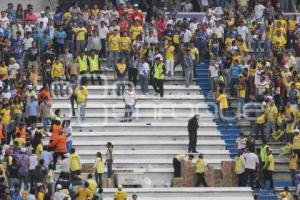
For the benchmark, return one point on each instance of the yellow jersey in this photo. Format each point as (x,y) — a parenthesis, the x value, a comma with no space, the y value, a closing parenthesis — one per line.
(200,166)
(170,51)
(125,43)
(81,94)
(99,166)
(222,99)
(120,195)
(80,33)
(57,70)
(293,162)
(113,42)
(239,165)
(135,31)
(261,119)
(74,162)
(296,142)
(271,162)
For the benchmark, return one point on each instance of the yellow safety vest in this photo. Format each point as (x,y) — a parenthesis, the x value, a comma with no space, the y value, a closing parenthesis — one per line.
(159,71)
(94,63)
(83,66)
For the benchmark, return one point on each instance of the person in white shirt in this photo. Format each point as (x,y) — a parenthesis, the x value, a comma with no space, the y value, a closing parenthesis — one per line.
(151,38)
(251,164)
(103,32)
(213,74)
(259,10)
(129,98)
(193,25)
(13,68)
(33,162)
(58,195)
(28,40)
(243,31)
(4,20)
(240,142)
(43,19)
(186,36)
(186,6)
(219,31)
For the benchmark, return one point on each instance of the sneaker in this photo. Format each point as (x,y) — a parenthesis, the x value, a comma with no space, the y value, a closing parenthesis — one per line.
(155,94)
(124,120)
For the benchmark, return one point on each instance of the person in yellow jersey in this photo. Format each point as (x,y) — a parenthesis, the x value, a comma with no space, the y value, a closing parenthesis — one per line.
(80,38)
(83,192)
(200,171)
(92,183)
(120,194)
(170,57)
(293,166)
(82,61)
(195,56)
(58,74)
(94,66)
(271,117)
(241,94)
(121,73)
(223,105)
(99,169)
(81,93)
(75,165)
(125,45)
(269,168)
(159,71)
(279,38)
(239,168)
(114,48)
(296,142)
(260,124)
(136,29)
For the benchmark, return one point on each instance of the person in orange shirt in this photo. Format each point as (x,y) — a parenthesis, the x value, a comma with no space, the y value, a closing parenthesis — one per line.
(60,147)
(56,129)
(44,93)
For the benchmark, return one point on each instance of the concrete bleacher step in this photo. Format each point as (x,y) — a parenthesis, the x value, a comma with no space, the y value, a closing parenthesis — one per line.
(149,145)
(211,193)
(168,89)
(140,126)
(145,135)
(140,117)
(112,99)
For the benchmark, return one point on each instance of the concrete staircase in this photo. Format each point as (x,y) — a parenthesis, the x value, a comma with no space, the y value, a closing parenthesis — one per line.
(186,193)
(158,133)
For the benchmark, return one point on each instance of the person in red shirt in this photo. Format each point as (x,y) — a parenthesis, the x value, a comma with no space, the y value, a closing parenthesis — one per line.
(121,9)
(60,147)
(137,14)
(123,23)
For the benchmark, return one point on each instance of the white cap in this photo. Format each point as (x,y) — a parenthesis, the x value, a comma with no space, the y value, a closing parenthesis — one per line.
(42,12)
(59,187)
(136,5)
(158,56)
(296,131)
(23,150)
(120,186)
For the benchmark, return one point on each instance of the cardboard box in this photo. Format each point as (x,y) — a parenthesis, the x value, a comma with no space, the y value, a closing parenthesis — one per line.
(177,182)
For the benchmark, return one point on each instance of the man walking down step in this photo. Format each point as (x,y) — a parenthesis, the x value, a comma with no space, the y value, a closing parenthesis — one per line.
(81,93)
(129,99)
(159,75)
(193,126)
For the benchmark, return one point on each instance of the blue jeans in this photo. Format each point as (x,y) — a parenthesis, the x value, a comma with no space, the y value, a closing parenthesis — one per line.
(120,85)
(109,168)
(144,84)
(24,177)
(126,55)
(233,82)
(58,82)
(128,112)
(241,104)
(188,76)
(257,47)
(70,45)
(270,128)
(113,59)
(98,178)
(46,122)
(81,111)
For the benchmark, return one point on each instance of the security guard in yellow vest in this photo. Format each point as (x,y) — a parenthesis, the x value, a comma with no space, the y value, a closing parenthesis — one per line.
(83,67)
(159,75)
(94,65)
(200,170)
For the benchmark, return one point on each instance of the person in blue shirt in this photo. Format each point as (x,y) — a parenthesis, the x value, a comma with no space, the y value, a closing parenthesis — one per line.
(293,95)
(43,41)
(60,36)
(11,13)
(40,29)
(235,71)
(257,37)
(4,32)
(32,110)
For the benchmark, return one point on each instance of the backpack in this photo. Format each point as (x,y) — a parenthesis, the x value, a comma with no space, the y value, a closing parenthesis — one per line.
(39,173)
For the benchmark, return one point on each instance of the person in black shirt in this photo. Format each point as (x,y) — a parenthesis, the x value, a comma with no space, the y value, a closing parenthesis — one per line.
(193,126)
(33,56)
(69,41)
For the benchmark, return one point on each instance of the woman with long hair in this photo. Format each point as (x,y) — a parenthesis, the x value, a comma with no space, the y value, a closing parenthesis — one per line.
(98,166)
(109,158)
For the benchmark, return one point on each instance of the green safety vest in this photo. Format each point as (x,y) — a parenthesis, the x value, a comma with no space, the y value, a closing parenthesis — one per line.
(94,63)
(83,66)
(159,71)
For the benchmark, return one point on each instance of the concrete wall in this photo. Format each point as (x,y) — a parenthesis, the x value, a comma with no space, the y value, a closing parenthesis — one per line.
(39,5)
